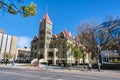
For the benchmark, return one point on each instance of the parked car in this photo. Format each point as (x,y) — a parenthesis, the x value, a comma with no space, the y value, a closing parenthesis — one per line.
(4,60)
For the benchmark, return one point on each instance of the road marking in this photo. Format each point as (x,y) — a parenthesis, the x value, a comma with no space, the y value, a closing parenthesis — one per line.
(87,77)
(10,73)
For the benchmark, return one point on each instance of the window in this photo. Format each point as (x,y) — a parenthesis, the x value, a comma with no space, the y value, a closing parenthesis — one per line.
(42,25)
(48,32)
(48,38)
(42,38)
(56,54)
(49,25)
(61,36)
(50,54)
(51,46)
(35,47)
(41,45)
(47,45)
(42,32)
(58,46)
(18,50)
(59,55)
(57,61)
(55,45)
(64,54)
(63,43)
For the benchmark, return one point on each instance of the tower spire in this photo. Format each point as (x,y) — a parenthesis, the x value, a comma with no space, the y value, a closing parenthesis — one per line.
(46,17)
(46,9)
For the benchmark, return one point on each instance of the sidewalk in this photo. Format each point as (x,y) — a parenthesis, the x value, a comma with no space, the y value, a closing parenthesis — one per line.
(110,73)
(20,66)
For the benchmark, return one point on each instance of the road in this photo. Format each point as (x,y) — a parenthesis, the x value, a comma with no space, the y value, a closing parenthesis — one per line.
(26,74)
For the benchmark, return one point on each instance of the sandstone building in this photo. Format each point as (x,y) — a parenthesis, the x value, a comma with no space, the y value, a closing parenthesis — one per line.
(52,48)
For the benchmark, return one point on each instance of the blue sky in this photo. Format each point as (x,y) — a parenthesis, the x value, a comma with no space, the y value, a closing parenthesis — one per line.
(65,14)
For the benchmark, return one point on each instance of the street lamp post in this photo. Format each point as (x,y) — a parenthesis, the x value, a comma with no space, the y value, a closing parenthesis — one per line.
(38,57)
(6,60)
(84,54)
(13,61)
(98,57)
(70,61)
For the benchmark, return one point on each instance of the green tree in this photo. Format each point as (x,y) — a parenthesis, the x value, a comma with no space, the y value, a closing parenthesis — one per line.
(69,49)
(16,6)
(76,52)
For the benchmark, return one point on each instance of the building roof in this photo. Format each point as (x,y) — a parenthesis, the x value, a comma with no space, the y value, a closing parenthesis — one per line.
(35,38)
(66,34)
(46,18)
(24,49)
(63,34)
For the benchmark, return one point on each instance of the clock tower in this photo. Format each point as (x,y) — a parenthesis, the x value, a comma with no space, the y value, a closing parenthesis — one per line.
(45,34)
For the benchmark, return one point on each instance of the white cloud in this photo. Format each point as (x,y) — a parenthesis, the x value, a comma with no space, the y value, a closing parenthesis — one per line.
(24,41)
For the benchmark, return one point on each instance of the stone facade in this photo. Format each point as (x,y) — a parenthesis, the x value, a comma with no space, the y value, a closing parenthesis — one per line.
(22,55)
(53,48)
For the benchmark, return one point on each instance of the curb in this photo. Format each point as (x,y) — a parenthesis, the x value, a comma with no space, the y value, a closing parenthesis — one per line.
(22,68)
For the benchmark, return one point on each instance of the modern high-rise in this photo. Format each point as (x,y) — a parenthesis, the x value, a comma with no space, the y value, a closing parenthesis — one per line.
(8,45)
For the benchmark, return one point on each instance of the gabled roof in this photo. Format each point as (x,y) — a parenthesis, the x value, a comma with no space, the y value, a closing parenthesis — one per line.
(35,38)
(46,18)
(66,35)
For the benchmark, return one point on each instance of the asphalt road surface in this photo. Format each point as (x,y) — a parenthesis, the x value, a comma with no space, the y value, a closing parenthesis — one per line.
(20,74)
